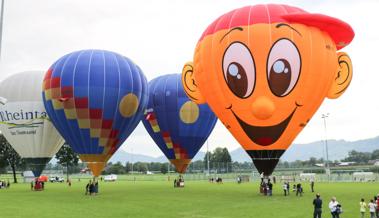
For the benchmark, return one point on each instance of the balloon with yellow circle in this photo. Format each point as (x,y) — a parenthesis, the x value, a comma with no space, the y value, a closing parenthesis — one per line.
(177,125)
(95,99)
(265,70)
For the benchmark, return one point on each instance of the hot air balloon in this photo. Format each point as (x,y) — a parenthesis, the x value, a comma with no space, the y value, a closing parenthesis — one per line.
(24,121)
(265,70)
(177,125)
(95,99)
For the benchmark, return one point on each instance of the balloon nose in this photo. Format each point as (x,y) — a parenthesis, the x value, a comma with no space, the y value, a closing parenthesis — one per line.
(263,108)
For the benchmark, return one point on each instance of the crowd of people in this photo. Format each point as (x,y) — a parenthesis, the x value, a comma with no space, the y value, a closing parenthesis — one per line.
(336,208)
(92,188)
(218,180)
(4,185)
(372,206)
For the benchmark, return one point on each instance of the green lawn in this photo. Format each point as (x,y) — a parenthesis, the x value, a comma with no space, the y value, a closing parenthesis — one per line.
(160,199)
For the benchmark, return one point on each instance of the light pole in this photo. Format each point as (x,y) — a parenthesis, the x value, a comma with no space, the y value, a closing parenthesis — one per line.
(132,159)
(208,158)
(327,169)
(1,24)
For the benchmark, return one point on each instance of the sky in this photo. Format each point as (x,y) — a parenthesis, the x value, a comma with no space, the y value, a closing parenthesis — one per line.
(160,36)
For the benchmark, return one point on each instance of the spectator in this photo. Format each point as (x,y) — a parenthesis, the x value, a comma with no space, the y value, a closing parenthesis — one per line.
(31,185)
(333,207)
(87,187)
(285,189)
(91,188)
(363,207)
(269,188)
(377,206)
(317,203)
(288,188)
(299,190)
(312,185)
(372,208)
(96,187)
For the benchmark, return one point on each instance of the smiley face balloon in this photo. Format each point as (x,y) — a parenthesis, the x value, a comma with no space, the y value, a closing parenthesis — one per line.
(265,70)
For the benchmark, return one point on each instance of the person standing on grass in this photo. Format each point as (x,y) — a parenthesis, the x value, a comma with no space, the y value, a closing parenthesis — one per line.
(377,206)
(312,185)
(372,208)
(333,207)
(87,188)
(317,203)
(269,188)
(363,207)
(288,188)
(285,188)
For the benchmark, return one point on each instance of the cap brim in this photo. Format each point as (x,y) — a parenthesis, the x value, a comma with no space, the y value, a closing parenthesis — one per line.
(340,32)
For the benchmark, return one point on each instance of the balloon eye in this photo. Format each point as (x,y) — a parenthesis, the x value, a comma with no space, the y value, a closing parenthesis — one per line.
(280,77)
(283,67)
(237,79)
(239,70)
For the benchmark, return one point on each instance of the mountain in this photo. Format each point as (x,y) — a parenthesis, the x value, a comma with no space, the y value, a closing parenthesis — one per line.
(338,149)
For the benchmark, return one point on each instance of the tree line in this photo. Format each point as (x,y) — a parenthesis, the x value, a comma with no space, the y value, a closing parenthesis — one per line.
(216,161)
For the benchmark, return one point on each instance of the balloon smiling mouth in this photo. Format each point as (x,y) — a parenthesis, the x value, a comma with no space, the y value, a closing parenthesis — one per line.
(265,135)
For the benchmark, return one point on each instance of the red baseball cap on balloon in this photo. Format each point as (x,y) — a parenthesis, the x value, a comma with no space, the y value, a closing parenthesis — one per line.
(340,32)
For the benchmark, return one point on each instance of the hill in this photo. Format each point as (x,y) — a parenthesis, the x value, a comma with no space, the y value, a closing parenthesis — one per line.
(338,149)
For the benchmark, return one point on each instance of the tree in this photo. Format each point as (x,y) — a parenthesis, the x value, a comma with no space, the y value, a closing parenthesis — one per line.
(128,167)
(67,157)
(116,168)
(164,168)
(359,157)
(10,156)
(375,155)
(207,157)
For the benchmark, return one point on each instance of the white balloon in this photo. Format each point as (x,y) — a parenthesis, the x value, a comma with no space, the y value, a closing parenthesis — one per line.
(23,118)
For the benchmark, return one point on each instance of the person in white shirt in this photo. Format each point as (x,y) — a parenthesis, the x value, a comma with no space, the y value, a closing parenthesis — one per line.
(333,207)
(372,208)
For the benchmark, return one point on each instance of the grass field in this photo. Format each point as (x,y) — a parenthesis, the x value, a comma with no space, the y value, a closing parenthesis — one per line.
(160,199)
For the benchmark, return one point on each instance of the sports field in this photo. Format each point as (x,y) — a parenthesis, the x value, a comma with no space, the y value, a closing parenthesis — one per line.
(160,199)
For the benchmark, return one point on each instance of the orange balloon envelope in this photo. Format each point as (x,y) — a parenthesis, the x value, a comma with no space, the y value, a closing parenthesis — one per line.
(265,70)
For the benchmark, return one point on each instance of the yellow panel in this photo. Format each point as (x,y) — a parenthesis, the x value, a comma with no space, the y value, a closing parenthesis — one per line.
(70,113)
(103,141)
(177,155)
(156,129)
(83,123)
(48,94)
(57,104)
(95,133)
(169,145)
